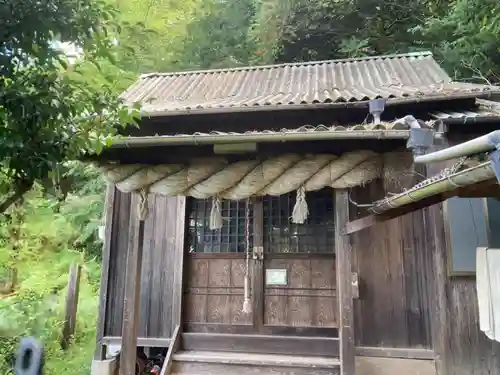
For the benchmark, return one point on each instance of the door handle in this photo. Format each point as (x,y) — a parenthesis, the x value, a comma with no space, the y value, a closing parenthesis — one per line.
(258,253)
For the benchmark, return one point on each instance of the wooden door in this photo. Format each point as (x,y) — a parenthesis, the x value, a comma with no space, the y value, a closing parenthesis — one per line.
(303,303)
(293,278)
(215,270)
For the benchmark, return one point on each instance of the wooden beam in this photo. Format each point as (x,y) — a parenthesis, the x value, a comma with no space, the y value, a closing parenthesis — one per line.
(110,217)
(174,347)
(130,328)
(403,353)
(361,223)
(343,259)
(153,342)
(370,220)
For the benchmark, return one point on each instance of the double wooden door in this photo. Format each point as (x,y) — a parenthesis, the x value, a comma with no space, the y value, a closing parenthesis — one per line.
(292,287)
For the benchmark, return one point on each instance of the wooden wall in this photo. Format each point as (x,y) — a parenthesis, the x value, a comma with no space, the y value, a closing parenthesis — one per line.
(391,260)
(163,249)
(461,347)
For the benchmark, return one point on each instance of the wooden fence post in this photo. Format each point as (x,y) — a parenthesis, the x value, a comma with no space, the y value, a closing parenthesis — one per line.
(71,305)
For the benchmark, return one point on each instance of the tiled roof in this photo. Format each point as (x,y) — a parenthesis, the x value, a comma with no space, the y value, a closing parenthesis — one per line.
(445,115)
(409,77)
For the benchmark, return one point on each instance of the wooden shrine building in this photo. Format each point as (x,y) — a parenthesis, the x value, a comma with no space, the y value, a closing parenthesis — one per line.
(239,233)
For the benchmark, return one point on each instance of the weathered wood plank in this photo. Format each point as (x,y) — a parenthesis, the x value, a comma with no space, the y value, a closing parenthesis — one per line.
(436,243)
(271,344)
(131,301)
(141,341)
(409,353)
(267,329)
(344,288)
(173,348)
(118,263)
(394,366)
(200,368)
(179,254)
(71,305)
(109,220)
(149,275)
(257,271)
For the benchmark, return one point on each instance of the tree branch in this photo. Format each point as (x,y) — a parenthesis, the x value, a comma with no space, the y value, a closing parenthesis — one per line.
(14,197)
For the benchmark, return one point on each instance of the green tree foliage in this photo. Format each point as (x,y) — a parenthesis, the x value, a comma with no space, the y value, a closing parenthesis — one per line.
(218,36)
(467,39)
(46,115)
(153,33)
(302,30)
(168,35)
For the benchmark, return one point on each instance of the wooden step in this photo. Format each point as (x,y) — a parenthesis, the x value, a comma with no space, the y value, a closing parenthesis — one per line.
(229,363)
(265,344)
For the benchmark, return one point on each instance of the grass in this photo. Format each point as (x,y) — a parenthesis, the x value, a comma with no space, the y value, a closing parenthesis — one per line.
(44,257)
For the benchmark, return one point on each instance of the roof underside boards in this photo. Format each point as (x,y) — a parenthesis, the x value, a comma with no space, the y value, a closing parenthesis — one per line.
(411,77)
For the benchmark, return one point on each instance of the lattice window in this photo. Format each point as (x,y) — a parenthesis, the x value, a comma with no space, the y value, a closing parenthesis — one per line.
(316,235)
(229,239)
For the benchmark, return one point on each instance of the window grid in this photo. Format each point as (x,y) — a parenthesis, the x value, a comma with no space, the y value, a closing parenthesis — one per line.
(230,238)
(316,235)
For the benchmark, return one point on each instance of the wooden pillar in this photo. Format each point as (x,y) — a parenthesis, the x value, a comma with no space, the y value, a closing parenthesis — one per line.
(130,327)
(434,220)
(343,258)
(257,265)
(110,216)
(178,289)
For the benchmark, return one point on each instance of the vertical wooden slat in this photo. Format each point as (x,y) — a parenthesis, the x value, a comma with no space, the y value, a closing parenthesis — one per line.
(343,262)
(118,264)
(130,327)
(156,268)
(109,219)
(178,286)
(148,273)
(258,265)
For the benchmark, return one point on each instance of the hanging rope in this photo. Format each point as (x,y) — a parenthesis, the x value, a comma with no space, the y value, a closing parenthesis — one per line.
(215,214)
(247,308)
(300,210)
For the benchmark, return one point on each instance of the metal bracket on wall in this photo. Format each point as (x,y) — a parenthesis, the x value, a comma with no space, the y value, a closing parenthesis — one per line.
(258,253)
